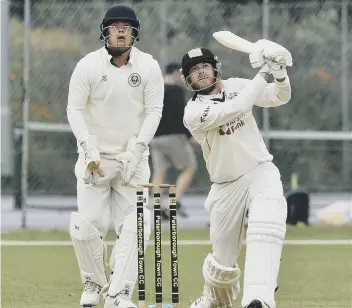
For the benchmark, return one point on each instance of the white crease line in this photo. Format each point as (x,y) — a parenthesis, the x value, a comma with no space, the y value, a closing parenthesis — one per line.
(167,243)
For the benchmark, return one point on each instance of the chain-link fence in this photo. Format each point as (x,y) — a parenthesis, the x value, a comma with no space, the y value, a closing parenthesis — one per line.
(317,34)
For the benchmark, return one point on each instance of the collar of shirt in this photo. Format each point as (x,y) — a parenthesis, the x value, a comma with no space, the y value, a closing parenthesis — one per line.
(219,97)
(129,58)
(216,98)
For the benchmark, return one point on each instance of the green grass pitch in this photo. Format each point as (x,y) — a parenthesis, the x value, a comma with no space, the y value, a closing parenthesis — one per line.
(311,276)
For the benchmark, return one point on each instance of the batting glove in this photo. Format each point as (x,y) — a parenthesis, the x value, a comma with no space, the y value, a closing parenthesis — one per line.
(257,59)
(275,53)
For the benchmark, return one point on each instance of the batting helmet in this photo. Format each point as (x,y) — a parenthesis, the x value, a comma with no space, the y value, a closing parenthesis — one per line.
(119,12)
(199,55)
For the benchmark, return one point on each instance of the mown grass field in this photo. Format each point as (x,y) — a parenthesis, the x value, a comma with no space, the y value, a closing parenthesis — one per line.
(312,276)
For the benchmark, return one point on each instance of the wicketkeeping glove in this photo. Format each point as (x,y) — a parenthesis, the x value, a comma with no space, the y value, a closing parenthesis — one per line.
(131,158)
(92,160)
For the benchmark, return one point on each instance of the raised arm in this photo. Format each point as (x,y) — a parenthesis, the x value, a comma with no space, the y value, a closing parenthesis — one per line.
(275,94)
(278,58)
(200,118)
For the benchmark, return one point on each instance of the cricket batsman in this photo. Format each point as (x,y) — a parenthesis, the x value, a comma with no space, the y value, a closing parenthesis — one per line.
(114,107)
(243,177)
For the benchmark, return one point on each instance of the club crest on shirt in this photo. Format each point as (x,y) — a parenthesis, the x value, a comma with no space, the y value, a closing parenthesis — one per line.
(134,80)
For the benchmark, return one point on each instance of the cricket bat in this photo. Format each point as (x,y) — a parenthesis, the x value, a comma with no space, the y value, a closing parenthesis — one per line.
(233,41)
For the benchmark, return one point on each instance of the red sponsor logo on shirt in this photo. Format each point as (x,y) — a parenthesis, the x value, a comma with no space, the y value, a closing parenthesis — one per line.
(231,127)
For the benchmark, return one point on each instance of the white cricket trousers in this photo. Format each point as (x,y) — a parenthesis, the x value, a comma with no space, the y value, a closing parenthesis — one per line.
(108,198)
(227,205)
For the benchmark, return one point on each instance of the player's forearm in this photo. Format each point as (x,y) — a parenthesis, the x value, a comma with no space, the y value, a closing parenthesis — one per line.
(283,90)
(154,97)
(153,104)
(149,127)
(77,123)
(275,94)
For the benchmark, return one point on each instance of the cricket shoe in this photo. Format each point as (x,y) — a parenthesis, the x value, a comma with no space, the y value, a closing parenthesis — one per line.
(91,294)
(121,300)
(118,302)
(257,304)
(203,302)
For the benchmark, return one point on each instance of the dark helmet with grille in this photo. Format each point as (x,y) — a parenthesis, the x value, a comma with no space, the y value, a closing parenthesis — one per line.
(120,12)
(198,55)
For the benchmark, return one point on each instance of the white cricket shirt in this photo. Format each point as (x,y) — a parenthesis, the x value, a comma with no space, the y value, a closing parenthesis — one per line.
(114,103)
(224,125)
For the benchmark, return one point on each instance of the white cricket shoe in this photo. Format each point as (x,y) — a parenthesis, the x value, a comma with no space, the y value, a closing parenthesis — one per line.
(91,294)
(119,301)
(203,302)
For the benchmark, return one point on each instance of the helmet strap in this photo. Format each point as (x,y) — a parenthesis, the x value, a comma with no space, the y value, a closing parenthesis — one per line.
(116,52)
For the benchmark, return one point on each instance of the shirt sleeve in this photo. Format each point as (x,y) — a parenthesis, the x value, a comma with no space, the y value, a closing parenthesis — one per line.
(203,117)
(153,104)
(275,94)
(78,94)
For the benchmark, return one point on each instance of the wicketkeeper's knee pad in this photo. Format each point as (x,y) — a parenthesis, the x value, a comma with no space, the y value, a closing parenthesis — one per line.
(124,260)
(130,226)
(130,222)
(89,248)
(221,282)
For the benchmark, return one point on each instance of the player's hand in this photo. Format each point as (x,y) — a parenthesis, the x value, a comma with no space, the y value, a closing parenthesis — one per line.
(257,59)
(274,52)
(93,172)
(277,57)
(278,70)
(131,158)
(92,160)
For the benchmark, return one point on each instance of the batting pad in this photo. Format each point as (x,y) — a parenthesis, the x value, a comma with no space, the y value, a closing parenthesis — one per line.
(89,248)
(221,282)
(265,236)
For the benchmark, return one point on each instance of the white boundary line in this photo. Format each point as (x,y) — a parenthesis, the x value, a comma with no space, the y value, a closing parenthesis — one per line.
(167,243)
